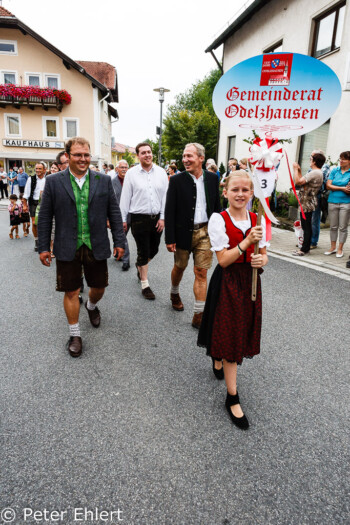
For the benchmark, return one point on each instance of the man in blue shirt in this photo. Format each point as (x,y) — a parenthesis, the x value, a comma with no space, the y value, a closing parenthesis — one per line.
(22,178)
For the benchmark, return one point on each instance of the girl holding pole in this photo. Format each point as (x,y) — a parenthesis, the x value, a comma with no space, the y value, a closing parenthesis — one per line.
(231,325)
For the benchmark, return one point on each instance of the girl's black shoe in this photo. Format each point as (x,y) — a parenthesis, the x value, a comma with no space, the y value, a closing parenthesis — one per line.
(240,422)
(219,374)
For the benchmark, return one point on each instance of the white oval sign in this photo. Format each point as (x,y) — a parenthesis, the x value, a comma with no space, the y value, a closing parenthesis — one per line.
(287,94)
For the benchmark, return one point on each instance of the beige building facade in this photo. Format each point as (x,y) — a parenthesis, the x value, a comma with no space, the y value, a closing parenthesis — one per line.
(36,129)
(318,29)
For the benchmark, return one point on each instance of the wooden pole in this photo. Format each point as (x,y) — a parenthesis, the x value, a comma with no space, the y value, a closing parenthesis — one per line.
(256,251)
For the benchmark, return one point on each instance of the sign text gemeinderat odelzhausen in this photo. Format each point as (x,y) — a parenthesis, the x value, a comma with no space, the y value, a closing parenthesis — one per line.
(283,93)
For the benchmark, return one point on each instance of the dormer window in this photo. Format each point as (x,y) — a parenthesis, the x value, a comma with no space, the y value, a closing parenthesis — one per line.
(8,47)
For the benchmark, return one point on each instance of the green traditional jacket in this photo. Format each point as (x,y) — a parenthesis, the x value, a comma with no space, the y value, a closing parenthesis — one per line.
(82,204)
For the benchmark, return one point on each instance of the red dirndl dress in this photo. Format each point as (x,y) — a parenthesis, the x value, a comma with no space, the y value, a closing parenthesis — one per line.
(231,324)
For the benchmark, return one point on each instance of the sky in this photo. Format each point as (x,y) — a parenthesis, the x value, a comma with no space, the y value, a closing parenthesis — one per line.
(154,43)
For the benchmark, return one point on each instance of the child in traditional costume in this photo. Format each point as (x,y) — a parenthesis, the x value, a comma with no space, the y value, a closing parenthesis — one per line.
(231,324)
(15,210)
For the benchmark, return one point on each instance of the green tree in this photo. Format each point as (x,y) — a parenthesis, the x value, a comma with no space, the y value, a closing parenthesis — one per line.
(128,157)
(192,119)
(222,169)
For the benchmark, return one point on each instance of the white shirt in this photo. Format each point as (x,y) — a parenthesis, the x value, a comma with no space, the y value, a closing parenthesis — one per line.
(40,183)
(144,192)
(217,231)
(200,214)
(3,177)
(80,181)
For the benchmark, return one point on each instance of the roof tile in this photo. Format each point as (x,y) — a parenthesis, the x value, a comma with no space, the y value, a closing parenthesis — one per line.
(122,148)
(102,71)
(5,12)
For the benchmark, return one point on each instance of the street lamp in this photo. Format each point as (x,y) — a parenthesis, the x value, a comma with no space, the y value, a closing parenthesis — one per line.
(161,92)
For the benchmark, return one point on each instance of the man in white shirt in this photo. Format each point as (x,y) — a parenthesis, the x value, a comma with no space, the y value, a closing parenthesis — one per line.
(33,188)
(143,197)
(3,183)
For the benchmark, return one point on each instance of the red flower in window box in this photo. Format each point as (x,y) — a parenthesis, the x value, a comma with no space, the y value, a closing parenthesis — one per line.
(27,92)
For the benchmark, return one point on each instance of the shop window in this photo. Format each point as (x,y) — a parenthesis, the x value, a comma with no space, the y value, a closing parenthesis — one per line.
(328,31)
(276,48)
(13,125)
(52,81)
(50,125)
(8,77)
(29,167)
(71,127)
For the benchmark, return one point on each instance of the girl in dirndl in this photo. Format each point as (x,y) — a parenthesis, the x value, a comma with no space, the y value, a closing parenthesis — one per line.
(231,324)
(15,210)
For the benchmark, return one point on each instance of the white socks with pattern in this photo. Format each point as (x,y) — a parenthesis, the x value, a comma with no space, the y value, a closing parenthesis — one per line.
(175,289)
(74,330)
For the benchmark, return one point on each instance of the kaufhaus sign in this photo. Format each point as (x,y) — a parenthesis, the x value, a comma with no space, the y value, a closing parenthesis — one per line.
(33,144)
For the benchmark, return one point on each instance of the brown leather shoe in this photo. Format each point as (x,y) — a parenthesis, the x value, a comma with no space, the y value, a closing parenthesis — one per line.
(176,302)
(197,320)
(148,294)
(75,346)
(94,316)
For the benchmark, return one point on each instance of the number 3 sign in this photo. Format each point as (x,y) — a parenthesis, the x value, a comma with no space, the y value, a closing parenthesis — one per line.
(267,181)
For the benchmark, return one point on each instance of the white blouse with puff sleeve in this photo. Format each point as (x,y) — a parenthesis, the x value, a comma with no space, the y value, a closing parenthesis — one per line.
(217,231)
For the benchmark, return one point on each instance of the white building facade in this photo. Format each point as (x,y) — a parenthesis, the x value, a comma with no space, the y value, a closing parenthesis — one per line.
(318,29)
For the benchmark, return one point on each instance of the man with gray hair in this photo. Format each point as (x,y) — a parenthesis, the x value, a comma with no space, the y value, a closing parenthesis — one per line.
(117,183)
(192,197)
(34,187)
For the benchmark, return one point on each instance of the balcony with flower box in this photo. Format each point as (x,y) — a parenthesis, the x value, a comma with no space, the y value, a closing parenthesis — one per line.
(33,96)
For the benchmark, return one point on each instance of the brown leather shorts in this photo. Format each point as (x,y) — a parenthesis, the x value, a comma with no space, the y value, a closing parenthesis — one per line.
(69,273)
(202,254)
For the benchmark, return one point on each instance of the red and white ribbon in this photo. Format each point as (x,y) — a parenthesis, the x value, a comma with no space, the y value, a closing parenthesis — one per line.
(265,153)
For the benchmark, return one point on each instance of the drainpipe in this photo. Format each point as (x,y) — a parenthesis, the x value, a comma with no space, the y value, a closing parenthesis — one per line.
(99,129)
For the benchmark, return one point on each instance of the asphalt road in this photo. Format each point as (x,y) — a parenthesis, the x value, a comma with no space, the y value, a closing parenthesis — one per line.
(138,422)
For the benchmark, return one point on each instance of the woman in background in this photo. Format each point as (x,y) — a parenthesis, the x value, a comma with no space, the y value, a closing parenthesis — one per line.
(339,204)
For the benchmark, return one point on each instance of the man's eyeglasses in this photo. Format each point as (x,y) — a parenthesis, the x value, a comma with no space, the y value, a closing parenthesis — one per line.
(81,155)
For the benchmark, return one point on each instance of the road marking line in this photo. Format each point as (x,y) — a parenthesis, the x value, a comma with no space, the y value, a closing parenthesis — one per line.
(312,266)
